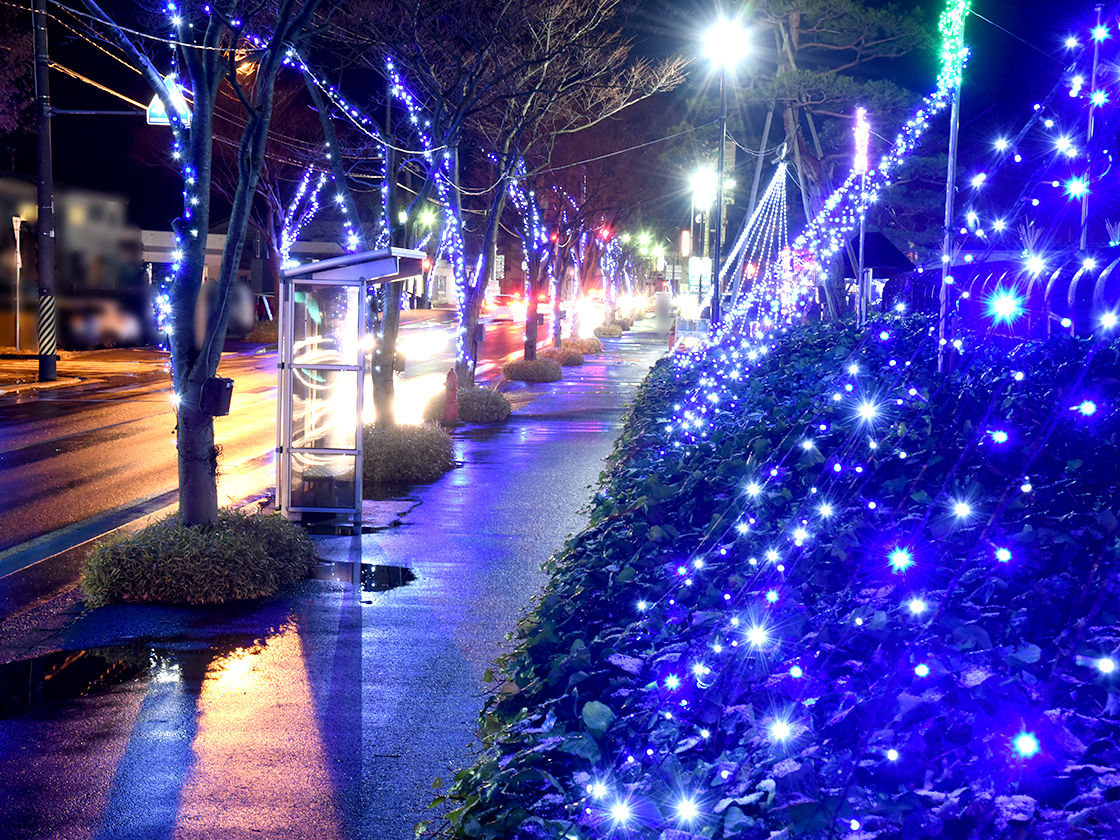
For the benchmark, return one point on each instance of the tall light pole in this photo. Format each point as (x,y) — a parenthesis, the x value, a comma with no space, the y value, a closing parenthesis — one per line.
(726,44)
(1099,34)
(863,136)
(703,187)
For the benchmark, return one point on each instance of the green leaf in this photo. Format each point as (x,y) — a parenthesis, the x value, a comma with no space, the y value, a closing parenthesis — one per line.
(582,745)
(597,717)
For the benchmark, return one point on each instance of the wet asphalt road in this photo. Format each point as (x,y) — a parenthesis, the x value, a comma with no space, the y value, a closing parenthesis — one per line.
(329,711)
(71,453)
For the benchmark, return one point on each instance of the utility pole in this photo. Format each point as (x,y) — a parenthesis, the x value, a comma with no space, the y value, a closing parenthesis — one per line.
(48,344)
(716,255)
(1089,131)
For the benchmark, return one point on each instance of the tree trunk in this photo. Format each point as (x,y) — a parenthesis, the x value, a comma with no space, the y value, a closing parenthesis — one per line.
(198,466)
(383,391)
(476,290)
(334,155)
(532,307)
(558,269)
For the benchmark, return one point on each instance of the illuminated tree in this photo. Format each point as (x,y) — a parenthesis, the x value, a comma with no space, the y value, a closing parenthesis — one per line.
(500,80)
(213,41)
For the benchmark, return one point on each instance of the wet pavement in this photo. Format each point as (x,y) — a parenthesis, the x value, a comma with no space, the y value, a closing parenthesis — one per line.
(328,711)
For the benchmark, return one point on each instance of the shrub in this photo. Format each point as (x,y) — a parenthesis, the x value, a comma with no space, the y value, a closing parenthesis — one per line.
(901,646)
(241,556)
(265,332)
(608,331)
(538,370)
(565,356)
(406,454)
(624,323)
(586,346)
(476,405)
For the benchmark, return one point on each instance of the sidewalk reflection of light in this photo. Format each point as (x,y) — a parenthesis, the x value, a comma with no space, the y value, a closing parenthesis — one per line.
(260,758)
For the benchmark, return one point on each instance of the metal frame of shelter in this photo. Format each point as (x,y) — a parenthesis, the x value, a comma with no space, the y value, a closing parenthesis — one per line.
(323,338)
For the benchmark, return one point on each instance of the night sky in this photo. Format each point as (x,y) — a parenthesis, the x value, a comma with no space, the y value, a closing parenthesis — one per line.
(1015,60)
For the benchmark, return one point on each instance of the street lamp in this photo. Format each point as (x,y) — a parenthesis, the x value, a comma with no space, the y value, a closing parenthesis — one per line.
(726,44)
(703,185)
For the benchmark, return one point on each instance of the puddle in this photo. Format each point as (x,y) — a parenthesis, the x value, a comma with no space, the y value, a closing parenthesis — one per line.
(68,675)
(55,678)
(374,578)
(64,676)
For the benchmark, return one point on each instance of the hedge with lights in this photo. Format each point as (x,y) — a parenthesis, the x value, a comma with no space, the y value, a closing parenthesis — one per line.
(830,592)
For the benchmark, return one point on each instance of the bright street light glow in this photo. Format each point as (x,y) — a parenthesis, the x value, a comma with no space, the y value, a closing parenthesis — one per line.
(1106,665)
(620,812)
(757,636)
(962,509)
(726,43)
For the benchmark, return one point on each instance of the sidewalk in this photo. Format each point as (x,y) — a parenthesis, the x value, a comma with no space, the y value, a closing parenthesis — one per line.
(328,711)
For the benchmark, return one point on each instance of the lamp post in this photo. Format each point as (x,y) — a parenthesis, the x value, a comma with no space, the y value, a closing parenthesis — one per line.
(863,136)
(726,44)
(703,193)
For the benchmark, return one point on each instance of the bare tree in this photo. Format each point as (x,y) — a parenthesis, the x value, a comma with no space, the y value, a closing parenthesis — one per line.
(500,79)
(220,42)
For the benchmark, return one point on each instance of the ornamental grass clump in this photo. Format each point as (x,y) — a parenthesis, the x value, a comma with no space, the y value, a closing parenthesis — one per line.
(475,405)
(608,331)
(537,370)
(586,346)
(406,454)
(861,598)
(240,557)
(265,332)
(566,356)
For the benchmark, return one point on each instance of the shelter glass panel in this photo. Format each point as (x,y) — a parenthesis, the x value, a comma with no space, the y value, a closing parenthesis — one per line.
(326,325)
(323,480)
(324,409)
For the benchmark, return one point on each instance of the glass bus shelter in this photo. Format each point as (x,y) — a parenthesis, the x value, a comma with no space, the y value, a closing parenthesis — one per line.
(323,341)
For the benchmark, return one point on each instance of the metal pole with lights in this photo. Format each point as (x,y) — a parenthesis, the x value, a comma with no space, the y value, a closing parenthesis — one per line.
(725,46)
(701,199)
(1099,33)
(863,137)
(952,28)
